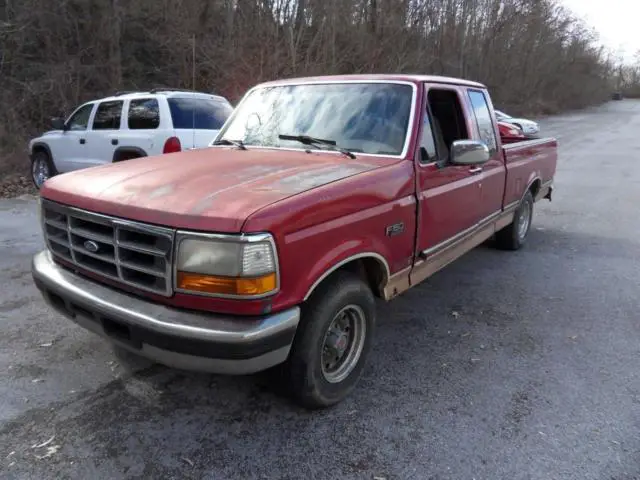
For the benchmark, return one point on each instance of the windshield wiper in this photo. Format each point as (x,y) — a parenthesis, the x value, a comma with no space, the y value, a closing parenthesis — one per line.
(226,141)
(307,140)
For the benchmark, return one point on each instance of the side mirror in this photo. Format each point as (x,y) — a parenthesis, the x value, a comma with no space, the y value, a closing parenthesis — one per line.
(469,152)
(58,123)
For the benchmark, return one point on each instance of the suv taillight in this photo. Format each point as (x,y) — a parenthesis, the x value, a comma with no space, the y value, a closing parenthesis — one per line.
(172,145)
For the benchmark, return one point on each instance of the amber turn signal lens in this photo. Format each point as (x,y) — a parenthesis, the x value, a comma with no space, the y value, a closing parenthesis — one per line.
(197,282)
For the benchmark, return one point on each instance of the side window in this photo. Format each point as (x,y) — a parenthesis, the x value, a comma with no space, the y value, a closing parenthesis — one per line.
(448,120)
(144,114)
(79,120)
(198,112)
(108,115)
(483,119)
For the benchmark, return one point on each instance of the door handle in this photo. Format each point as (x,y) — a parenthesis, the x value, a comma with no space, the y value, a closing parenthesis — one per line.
(475,170)
(114,141)
(83,141)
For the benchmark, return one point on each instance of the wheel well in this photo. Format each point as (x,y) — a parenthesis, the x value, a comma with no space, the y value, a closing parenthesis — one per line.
(535,188)
(40,148)
(370,269)
(127,154)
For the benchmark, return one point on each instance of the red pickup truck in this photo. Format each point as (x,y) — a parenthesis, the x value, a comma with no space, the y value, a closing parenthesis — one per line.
(269,248)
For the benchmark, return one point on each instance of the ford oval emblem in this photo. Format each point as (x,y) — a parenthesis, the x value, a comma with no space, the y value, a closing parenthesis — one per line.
(91,246)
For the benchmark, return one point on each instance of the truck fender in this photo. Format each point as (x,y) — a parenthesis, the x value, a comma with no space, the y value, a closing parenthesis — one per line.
(345,258)
(534,185)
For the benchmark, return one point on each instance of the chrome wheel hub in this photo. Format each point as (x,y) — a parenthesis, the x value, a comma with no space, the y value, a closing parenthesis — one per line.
(524,220)
(343,343)
(40,171)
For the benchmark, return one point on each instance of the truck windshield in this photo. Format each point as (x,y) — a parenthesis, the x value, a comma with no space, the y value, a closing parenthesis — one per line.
(369,118)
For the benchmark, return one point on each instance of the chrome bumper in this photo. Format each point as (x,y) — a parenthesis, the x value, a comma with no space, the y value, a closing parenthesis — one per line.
(177,338)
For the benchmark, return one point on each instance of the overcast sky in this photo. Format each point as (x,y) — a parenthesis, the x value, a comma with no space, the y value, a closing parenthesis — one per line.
(617,22)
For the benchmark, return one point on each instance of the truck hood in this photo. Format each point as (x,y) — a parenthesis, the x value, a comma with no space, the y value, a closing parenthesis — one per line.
(211,189)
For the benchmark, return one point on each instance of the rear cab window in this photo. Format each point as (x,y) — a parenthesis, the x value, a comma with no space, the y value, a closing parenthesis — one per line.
(108,115)
(484,123)
(200,113)
(144,114)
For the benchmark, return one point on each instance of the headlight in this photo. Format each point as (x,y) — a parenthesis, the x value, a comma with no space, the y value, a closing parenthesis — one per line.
(227,265)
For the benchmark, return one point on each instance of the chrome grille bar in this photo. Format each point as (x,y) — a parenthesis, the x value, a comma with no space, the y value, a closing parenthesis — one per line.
(131,253)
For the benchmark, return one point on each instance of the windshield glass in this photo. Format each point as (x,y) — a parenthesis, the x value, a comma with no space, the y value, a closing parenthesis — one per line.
(360,117)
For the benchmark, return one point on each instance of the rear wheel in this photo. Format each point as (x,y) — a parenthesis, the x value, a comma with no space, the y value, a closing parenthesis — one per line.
(42,168)
(332,343)
(514,236)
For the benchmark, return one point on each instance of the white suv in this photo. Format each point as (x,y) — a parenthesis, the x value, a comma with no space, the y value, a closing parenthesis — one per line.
(125,126)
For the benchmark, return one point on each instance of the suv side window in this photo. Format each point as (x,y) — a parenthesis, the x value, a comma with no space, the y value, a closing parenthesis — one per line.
(483,119)
(108,115)
(199,113)
(144,114)
(79,120)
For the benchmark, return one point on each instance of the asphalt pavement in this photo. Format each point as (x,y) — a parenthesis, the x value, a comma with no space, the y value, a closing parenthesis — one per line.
(505,365)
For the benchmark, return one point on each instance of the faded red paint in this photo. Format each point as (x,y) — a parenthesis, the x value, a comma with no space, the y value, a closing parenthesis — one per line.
(212,189)
(320,207)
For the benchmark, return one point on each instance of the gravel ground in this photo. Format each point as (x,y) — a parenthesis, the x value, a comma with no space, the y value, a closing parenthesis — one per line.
(502,366)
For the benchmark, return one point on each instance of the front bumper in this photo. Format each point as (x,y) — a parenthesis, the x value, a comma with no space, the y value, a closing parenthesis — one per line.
(173,337)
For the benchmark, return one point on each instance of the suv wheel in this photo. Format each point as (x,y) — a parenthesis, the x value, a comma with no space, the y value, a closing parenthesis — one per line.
(42,168)
(332,343)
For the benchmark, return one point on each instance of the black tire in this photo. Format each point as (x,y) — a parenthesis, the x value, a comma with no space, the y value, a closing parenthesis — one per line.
(39,157)
(514,236)
(305,372)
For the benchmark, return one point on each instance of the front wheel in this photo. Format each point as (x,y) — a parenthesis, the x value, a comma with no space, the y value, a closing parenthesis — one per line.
(332,343)
(42,168)
(513,236)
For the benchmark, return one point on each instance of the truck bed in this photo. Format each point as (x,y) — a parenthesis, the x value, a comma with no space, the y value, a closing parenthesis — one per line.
(528,162)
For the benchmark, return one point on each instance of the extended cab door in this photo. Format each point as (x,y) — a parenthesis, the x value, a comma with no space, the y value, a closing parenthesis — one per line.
(492,179)
(448,194)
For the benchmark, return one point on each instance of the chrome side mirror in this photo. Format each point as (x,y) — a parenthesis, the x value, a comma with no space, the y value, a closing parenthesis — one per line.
(469,152)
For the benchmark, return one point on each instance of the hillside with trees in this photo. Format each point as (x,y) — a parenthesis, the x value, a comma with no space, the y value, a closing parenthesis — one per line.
(534,55)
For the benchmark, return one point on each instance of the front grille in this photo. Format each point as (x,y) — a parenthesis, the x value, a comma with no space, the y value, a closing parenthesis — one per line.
(128,252)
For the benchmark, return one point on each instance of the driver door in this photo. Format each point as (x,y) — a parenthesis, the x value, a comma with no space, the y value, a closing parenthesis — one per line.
(449,195)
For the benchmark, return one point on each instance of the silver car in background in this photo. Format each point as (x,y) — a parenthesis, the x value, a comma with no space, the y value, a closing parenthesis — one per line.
(528,127)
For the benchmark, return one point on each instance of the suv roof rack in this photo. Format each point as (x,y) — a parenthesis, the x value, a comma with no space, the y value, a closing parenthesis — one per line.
(169,89)
(125,92)
(160,89)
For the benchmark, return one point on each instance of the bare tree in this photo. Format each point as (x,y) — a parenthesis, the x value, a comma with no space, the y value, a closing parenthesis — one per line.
(533,54)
